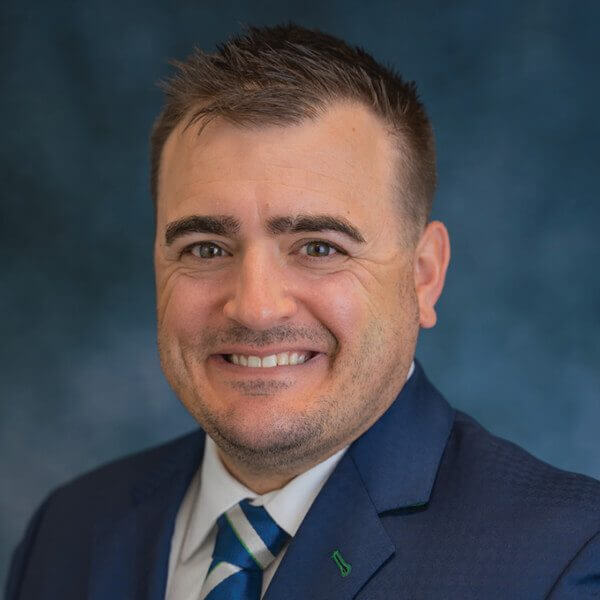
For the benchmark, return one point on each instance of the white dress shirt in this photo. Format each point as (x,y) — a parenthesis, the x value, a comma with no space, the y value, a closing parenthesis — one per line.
(195,530)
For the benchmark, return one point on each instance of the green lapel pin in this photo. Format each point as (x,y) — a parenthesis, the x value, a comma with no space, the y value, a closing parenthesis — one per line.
(343,566)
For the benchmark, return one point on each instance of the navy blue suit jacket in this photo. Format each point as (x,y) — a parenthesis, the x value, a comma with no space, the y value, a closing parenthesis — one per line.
(425,504)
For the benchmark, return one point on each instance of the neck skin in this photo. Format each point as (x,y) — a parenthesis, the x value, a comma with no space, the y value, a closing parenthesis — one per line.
(261,482)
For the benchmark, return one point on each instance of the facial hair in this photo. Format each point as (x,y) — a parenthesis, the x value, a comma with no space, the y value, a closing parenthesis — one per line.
(294,439)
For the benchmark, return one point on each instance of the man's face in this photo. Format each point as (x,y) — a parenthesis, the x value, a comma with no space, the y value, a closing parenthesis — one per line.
(279,245)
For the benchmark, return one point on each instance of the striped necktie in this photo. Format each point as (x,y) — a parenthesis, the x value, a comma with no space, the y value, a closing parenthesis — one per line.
(247,543)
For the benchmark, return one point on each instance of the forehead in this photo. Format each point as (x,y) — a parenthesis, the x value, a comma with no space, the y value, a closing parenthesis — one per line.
(343,162)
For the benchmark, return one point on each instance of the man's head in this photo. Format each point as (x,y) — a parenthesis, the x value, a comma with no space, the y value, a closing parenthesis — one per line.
(285,239)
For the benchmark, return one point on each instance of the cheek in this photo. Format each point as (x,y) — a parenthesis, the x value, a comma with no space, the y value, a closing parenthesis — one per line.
(185,306)
(339,303)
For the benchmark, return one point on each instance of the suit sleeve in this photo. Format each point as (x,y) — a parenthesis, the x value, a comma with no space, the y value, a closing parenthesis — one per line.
(20,558)
(581,577)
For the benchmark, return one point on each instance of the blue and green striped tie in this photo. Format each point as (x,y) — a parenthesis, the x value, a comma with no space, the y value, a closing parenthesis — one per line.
(247,543)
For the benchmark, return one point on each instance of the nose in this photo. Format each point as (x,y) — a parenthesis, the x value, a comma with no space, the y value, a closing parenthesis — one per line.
(260,298)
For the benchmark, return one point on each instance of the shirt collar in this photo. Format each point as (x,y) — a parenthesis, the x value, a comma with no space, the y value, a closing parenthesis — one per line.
(210,501)
(287,506)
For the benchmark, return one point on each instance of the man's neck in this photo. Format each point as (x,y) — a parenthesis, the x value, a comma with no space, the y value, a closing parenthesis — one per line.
(260,483)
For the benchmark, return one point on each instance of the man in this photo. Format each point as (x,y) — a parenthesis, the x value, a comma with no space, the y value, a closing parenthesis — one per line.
(295,263)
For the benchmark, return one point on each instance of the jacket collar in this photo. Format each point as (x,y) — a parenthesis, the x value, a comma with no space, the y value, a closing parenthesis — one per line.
(398,457)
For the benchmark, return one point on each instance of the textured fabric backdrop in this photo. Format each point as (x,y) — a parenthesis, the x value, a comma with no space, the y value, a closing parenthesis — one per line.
(513,91)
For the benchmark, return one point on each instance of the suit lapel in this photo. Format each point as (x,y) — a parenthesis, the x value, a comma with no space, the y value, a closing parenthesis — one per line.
(391,466)
(131,552)
(342,518)
(399,456)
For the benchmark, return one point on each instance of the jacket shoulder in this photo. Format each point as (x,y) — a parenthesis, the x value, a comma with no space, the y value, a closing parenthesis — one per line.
(509,475)
(68,518)
(499,523)
(114,483)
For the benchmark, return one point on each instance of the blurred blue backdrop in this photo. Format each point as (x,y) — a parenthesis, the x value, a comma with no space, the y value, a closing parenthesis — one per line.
(513,91)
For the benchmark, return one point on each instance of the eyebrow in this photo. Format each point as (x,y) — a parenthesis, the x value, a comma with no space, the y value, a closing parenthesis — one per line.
(226,225)
(300,223)
(217,225)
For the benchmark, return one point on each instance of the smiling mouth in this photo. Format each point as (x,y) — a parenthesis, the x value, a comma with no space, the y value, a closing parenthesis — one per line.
(272,360)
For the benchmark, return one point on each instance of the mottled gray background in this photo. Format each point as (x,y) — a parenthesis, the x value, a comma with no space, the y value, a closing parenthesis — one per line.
(513,90)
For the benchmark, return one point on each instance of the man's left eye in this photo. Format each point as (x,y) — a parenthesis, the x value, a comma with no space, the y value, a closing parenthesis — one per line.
(206,250)
(320,249)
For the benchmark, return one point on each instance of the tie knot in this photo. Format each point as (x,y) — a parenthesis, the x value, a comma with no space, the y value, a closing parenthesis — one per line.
(248,537)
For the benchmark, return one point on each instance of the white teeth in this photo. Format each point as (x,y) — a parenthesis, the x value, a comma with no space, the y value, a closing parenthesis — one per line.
(269,361)
(273,360)
(254,361)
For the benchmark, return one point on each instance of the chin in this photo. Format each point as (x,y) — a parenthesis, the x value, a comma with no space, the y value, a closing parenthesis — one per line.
(264,443)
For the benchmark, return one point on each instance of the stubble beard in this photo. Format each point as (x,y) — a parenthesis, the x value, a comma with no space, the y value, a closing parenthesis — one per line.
(287,444)
(290,437)
(293,441)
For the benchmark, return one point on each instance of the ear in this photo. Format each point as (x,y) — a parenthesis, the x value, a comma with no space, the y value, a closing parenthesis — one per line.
(432,256)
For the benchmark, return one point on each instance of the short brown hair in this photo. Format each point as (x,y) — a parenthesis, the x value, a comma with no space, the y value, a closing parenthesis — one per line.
(285,74)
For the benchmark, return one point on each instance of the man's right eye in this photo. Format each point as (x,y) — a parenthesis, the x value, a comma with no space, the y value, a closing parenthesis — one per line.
(205,250)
